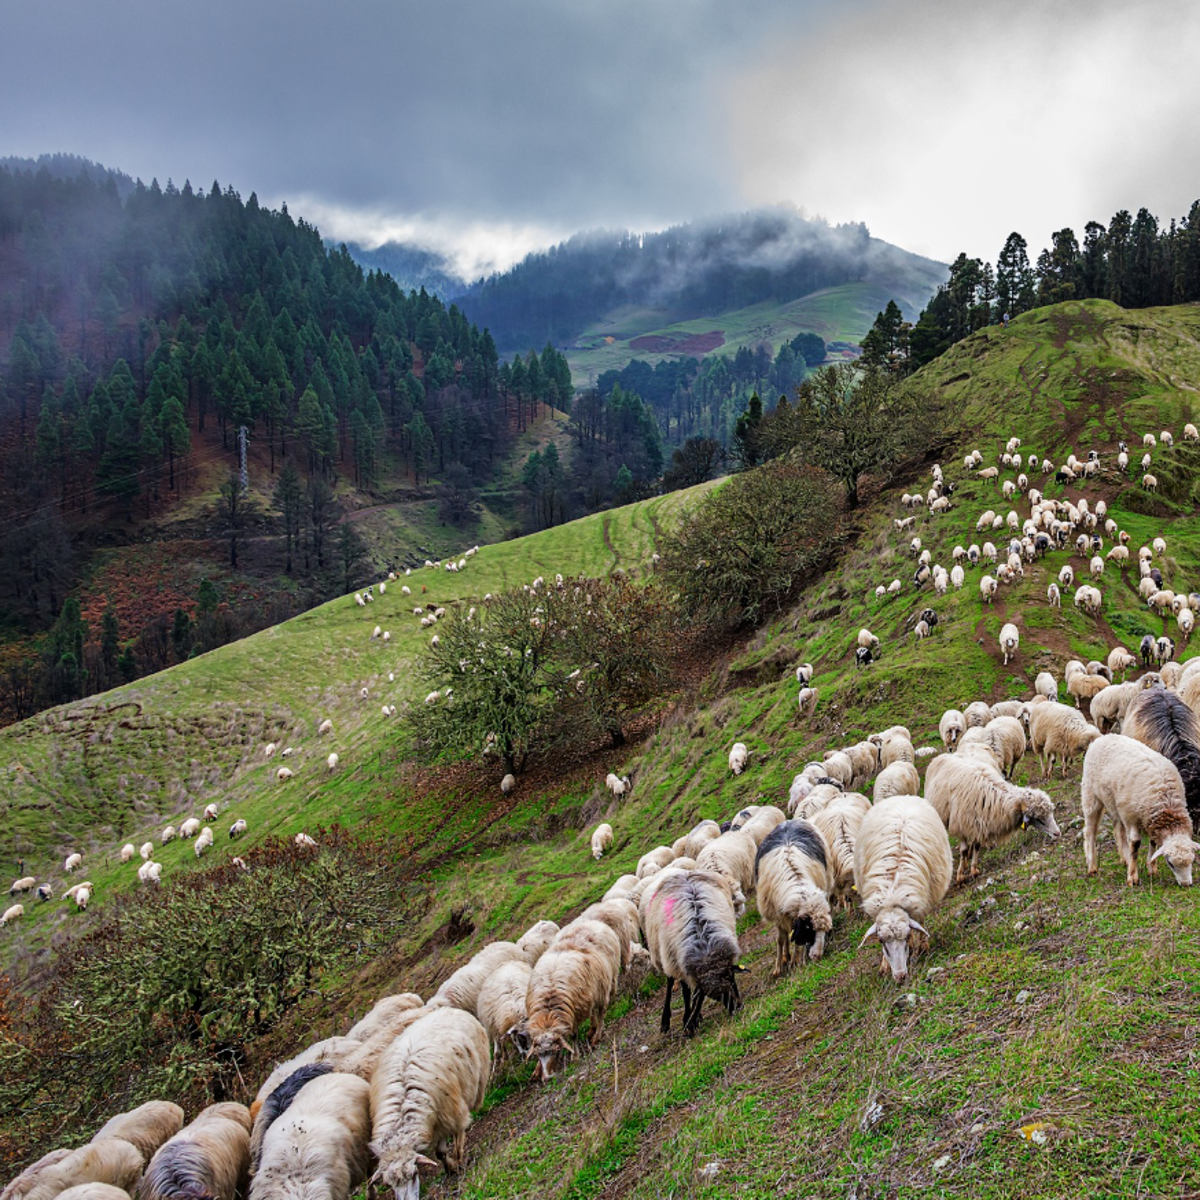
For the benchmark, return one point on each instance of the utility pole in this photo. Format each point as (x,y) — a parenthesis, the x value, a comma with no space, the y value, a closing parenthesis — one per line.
(243,434)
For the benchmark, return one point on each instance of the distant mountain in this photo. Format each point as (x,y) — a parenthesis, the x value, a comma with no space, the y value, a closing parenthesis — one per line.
(410,266)
(71,166)
(699,270)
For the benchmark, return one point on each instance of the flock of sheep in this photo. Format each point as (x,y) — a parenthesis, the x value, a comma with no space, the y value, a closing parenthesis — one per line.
(396,1092)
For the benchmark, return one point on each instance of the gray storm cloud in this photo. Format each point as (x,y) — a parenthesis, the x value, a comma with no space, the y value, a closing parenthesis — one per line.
(945,126)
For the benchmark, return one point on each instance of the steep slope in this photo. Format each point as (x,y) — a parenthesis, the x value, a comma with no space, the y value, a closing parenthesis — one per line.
(1042,1045)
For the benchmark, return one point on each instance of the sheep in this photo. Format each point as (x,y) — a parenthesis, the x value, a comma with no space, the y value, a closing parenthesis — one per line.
(804,674)
(11,913)
(189,828)
(110,1160)
(619,786)
(146,1127)
(25,884)
(699,836)
(209,1158)
(896,779)
(981,809)
(304,841)
(1046,685)
(620,915)
(501,1006)
(326,726)
(987,588)
(311,1144)
(731,855)
(283,774)
(1057,731)
(894,748)
(957,577)
(977,713)
(1143,793)
(461,989)
(902,870)
(150,872)
(1150,482)
(1088,600)
(737,757)
(602,838)
(168,835)
(1085,686)
(1164,722)
(73,861)
(422,1094)
(1121,661)
(653,861)
(203,841)
(128,851)
(508,783)
(807,701)
(1009,640)
(211,812)
(838,823)
(574,981)
(690,928)
(868,641)
(764,822)
(333,1052)
(1004,737)
(792,882)
(238,828)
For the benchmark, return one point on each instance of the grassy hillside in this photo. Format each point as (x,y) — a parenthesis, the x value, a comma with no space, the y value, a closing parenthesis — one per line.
(1045,1045)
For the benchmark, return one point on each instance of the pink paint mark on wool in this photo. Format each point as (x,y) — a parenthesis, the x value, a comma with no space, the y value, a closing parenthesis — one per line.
(668,908)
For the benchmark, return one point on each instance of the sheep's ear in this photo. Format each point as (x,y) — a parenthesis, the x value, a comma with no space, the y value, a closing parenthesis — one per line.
(423,1161)
(917,926)
(871,933)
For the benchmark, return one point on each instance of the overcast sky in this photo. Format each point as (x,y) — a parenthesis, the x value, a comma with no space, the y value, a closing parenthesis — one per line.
(491,127)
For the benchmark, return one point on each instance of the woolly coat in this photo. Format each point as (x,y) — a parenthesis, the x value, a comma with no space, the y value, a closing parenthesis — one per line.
(317,1149)
(839,824)
(461,990)
(698,837)
(763,822)
(1164,722)
(653,861)
(793,882)
(602,838)
(112,1160)
(731,855)
(1058,731)
(422,1095)
(147,1127)
(621,917)
(501,1007)
(209,1158)
(898,779)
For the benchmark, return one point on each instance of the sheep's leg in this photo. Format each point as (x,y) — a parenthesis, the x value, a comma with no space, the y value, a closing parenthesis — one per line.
(693,1021)
(1128,854)
(974,860)
(687,1000)
(1091,824)
(781,953)
(597,1019)
(665,1024)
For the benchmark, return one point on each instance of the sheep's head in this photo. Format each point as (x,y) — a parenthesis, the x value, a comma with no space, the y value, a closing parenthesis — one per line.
(400,1173)
(891,930)
(1180,852)
(1037,809)
(719,979)
(548,1047)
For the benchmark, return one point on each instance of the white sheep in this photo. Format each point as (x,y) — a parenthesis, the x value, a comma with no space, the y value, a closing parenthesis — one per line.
(987,588)
(238,828)
(507,784)
(203,841)
(189,828)
(602,839)
(981,809)
(1143,794)
(1058,731)
(147,850)
(616,784)
(896,779)
(737,757)
(902,869)
(1046,685)
(73,861)
(146,1127)
(332,761)
(1009,641)
(150,872)
(209,1158)
(283,774)
(732,855)
(807,701)
(110,1161)
(211,812)
(316,1148)
(128,851)
(168,835)
(653,861)
(269,749)
(792,883)
(501,1009)
(304,841)
(12,913)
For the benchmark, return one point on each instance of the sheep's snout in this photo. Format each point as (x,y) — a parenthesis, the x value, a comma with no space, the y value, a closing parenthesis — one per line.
(1183,875)
(896,955)
(818,947)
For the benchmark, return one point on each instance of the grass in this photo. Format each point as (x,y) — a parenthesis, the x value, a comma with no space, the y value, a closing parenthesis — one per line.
(1050,1002)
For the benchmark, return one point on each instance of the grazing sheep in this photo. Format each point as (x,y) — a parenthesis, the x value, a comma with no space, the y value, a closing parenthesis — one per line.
(209,1159)
(731,855)
(902,870)
(981,809)
(332,1052)
(147,850)
(804,674)
(838,823)
(690,927)
(807,701)
(283,774)
(792,882)
(422,1094)
(1109,706)
(1143,794)
(987,588)
(501,1007)
(766,819)
(73,861)
(332,761)
(1150,482)
(189,828)
(653,861)
(210,813)
(977,713)
(896,779)
(168,835)
(12,913)
(150,872)
(737,757)
(461,989)
(1058,731)
(507,784)
(238,828)
(146,1127)
(110,1160)
(314,1147)
(326,726)
(128,851)
(619,785)
(1163,721)
(1085,686)
(573,982)
(385,1016)
(1120,661)
(699,836)
(620,915)
(602,839)
(23,885)
(951,727)
(203,841)
(1009,641)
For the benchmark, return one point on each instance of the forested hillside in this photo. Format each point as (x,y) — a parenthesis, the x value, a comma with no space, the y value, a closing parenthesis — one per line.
(137,337)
